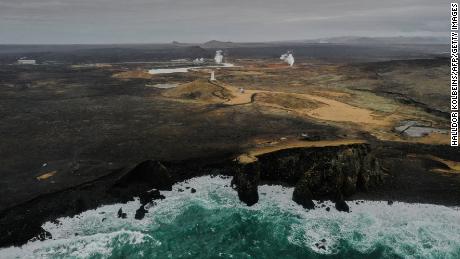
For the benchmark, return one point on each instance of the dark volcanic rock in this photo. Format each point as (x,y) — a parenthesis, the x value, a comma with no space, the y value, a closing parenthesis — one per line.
(329,171)
(44,235)
(371,173)
(302,195)
(140,213)
(80,205)
(140,180)
(149,196)
(151,173)
(344,170)
(121,214)
(341,205)
(245,181)
(320,246)
(318,172)
(325,172)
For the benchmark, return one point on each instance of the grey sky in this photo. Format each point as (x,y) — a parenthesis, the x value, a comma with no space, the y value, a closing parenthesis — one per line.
(153,21)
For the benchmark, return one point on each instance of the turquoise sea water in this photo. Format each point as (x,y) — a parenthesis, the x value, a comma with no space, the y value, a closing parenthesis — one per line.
(212,223)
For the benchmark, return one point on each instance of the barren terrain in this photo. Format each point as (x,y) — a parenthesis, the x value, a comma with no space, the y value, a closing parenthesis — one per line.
(84,118)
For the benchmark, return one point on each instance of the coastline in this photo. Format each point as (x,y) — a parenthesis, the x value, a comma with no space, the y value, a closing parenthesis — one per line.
(24,220)
(214,214)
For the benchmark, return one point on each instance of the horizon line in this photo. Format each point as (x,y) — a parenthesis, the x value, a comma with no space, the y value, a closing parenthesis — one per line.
(227,41)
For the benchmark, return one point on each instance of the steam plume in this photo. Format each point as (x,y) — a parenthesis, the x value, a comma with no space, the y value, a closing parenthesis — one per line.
(198,61)
(219,57)
(288,58)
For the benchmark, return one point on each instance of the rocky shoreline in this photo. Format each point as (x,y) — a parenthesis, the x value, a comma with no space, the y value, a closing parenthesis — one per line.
(332,173)
(357,171)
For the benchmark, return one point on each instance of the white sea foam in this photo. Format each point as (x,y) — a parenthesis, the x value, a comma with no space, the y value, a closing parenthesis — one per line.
(425,231)
(100,244)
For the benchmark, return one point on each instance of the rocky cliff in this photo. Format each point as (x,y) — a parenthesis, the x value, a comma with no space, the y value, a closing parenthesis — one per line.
(334,173)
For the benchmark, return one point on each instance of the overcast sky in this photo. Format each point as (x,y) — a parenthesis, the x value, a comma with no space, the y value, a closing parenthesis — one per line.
(155,21)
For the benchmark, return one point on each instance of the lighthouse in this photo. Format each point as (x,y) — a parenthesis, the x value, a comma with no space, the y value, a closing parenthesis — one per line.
(213,78)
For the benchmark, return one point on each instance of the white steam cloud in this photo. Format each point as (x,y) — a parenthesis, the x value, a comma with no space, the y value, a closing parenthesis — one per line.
(198,61)
(219,57)
(288,58)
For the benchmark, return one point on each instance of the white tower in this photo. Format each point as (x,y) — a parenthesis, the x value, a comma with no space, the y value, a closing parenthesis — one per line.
(213,78)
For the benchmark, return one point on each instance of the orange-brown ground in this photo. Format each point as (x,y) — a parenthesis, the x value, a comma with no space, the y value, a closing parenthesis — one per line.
(251,154)
(136,74)
(323,93)
(450,165)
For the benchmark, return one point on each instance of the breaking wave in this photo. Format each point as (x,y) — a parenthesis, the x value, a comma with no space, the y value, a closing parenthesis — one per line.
(213,223)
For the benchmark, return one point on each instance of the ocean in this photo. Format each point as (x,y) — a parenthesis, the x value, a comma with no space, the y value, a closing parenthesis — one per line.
(213,223)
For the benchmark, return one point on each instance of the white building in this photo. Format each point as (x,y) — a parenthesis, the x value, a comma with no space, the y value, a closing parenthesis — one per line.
(27,62)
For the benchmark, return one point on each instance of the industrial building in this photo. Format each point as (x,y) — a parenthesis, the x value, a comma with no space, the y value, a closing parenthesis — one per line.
(27,61)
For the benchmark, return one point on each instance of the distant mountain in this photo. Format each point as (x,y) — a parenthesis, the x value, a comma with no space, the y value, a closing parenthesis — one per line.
(347,40)
(215,44)
(382,40)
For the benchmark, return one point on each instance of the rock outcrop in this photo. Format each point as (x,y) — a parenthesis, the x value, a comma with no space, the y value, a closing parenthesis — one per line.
(339,172)
(150,173)
(246,181)
(149,196)
(332,172)
(140,213)
(302,194)
(341,205)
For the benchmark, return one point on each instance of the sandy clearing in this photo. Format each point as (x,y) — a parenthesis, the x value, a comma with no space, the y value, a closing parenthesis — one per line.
(453,167)
(46,175)
(444,171)
(331,110)
(136,74)
(238,97)
(341,112)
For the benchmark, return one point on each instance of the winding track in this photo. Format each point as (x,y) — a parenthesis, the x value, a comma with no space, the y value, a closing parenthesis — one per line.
(330,110)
